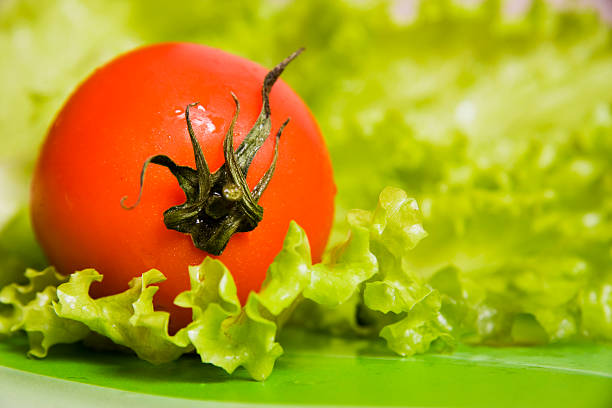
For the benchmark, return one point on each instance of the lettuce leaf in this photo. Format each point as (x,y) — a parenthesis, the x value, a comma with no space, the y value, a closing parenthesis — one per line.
(224,333)
(127,318)
(30,308)
(393,302)
(55,309)
(396,229)
(500,125)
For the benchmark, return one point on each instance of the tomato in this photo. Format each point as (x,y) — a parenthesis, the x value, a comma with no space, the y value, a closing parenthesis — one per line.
(134,108)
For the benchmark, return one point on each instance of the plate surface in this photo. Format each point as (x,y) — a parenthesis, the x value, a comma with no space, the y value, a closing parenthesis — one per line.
(316,370)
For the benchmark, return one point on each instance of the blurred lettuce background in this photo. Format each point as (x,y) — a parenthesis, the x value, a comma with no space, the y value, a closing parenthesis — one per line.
(496,116)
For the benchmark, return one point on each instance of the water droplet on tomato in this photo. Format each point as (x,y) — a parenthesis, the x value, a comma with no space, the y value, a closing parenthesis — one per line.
(180,114)
(199,118)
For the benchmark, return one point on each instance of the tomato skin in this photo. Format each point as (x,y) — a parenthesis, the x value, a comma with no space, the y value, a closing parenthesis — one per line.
(133,108)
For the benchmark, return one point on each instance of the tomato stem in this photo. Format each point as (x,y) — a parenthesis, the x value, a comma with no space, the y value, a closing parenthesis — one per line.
(220,204)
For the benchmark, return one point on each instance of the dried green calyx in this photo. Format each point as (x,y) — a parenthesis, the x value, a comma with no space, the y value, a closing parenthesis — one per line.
(220,204)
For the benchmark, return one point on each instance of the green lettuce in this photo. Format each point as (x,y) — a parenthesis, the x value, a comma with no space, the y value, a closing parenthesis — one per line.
(54,309)
(29,307)
(499,124)
(393,303)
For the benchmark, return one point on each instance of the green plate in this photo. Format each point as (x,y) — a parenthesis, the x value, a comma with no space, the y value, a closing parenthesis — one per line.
(316,370)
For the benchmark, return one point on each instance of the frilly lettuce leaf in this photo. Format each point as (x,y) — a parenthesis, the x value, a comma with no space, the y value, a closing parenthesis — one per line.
(395,230)
(506,143)
(224,333)
(394,303)
(420,329)
(56,309)
(30,308)
(364,270)
(229,336)
(127,318)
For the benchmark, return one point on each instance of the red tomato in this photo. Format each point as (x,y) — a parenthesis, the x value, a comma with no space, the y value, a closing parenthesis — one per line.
(133,108)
